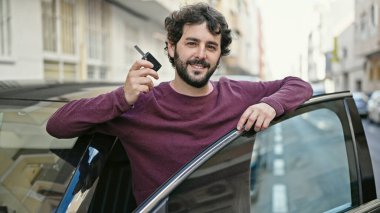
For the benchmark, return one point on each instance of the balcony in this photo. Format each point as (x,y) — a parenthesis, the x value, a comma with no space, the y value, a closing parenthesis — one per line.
(154,10)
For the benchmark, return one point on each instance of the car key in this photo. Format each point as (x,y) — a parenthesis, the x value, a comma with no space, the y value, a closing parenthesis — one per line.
(149,57)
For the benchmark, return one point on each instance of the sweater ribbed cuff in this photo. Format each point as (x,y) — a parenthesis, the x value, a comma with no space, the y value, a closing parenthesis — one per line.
(273,103)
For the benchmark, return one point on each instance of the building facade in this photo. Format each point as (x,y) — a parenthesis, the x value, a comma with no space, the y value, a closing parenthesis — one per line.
(93,40)
(367,42)
(331,18)
(353,60)
(247,52)
(78,40)
(347,67)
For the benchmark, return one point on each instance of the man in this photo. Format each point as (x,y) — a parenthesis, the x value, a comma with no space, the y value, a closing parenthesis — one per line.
(163,127)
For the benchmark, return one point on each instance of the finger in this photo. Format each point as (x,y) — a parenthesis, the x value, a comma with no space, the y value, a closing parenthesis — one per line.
(259,123)
(145,88)
(243,119)
(140,64)
(251,120)
(144,72)
(145,81)
(148,72)
(266,123)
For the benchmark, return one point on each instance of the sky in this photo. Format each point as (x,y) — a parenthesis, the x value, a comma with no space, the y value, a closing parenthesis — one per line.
(286,25)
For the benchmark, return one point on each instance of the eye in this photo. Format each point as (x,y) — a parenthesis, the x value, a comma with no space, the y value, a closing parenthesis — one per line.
(191,44)
(212,47)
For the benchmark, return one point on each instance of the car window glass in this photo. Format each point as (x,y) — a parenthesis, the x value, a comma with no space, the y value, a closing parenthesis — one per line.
(219,185)
(302,166)
(297,165)
(33,177)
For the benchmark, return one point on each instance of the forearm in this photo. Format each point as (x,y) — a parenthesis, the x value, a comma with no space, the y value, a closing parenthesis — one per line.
(81,116)
(292,93)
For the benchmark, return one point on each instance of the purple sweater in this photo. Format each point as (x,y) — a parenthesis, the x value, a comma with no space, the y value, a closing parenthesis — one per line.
(165,129)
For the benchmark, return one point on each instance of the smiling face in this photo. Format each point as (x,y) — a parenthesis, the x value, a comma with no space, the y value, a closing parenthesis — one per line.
(196,55)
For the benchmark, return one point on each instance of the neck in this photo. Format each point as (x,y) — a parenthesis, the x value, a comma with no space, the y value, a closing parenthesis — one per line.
(183,88)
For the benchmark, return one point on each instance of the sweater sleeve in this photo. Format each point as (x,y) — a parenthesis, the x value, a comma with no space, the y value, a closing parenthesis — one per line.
(80,116)
(287,94)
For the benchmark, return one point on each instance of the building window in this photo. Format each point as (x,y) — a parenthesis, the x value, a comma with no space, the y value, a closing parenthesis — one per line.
(97,73)
(49,25)
(5,28)
(69,72)
(68,26)
(374,72)
(131,35)
(51,70)
(98,29)
(344,53)
(103,73)
(364,23)
(91,73)
(374,15)
(59,71)
(59,18)
(358,85)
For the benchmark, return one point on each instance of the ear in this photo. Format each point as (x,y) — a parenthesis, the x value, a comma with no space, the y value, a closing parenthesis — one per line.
(171,49)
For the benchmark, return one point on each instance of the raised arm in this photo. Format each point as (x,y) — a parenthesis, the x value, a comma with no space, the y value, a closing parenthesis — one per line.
(80,116)
(279,97)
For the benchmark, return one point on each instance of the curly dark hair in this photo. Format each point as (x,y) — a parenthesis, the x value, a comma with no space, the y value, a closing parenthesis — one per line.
(197,14)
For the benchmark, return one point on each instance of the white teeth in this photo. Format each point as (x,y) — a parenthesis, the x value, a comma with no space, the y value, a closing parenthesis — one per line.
(198,66)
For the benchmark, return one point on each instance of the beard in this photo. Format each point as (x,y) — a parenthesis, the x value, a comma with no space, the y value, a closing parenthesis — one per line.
(181,68)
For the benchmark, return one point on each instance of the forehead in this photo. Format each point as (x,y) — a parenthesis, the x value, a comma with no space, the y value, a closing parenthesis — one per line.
(200,32)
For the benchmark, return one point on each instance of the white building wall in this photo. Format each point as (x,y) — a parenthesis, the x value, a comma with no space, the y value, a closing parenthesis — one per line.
(331,18)
(250,45)
(25,62)
(27,58)
(349,70)
(128,30)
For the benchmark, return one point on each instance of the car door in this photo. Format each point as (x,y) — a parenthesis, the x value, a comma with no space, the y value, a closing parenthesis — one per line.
(315,159)
(35,168)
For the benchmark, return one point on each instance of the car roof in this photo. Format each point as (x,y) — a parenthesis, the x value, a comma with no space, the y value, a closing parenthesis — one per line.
(54,91)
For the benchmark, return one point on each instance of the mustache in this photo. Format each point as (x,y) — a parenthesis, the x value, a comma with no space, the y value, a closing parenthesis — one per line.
(198,62)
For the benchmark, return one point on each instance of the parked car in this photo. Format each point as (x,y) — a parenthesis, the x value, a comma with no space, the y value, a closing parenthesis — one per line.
(374,107)
(361,101)
(314,159)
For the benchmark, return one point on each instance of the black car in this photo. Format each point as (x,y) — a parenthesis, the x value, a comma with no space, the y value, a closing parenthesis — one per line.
(314,159)
(361,101)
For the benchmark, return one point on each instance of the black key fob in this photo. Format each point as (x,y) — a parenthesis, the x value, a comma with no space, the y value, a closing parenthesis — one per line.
(149,57)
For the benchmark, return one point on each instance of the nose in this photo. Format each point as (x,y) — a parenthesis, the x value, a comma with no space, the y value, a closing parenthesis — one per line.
(201,52)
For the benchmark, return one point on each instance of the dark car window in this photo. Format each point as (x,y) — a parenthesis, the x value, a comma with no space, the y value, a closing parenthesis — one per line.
(304,162)
(33,176)
(222,184)
(303,165)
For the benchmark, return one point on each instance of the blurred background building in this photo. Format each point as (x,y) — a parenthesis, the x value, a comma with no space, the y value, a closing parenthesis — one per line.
(78,40)
(344,46)
(367,44)
(93,40)
(330,19)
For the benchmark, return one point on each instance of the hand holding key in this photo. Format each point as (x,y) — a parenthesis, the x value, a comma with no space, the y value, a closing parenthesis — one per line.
(138,80)
(149,57)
